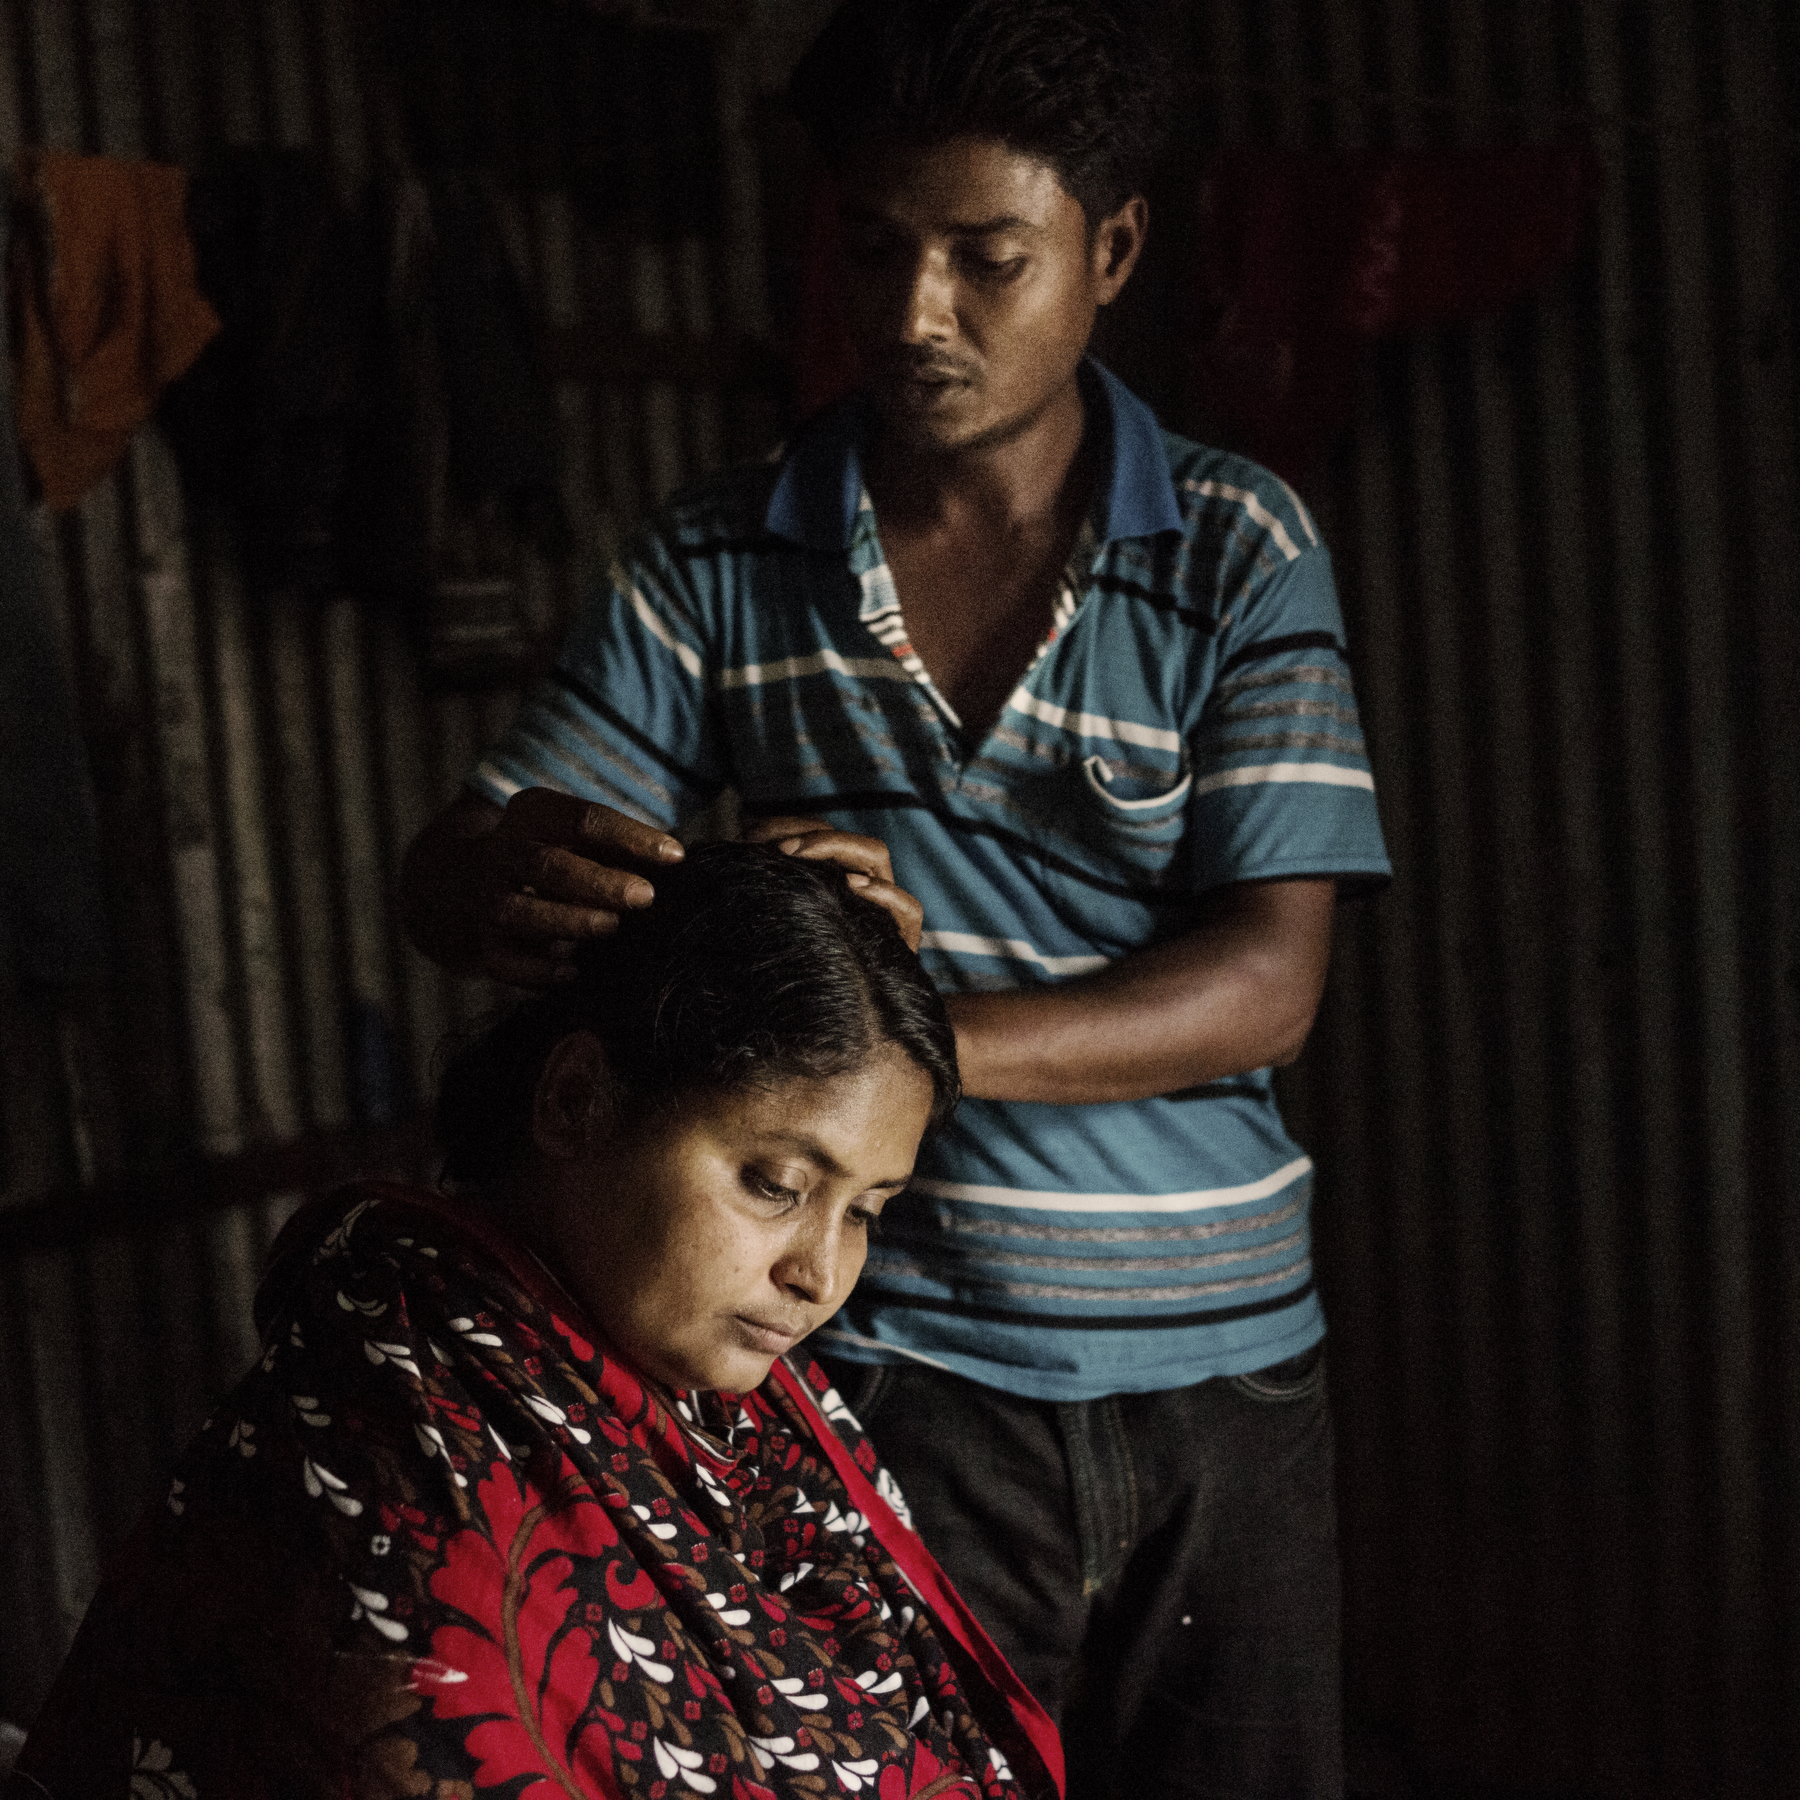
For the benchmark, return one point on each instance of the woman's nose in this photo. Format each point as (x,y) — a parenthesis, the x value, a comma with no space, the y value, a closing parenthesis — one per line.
(811,1262)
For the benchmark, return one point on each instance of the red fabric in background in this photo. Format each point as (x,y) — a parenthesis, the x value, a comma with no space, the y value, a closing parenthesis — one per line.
(1301,260)
(1304,258)
(825,361)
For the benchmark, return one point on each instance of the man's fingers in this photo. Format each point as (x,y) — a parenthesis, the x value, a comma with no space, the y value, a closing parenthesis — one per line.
(769,831)
(530,920)
(848,849)
(553,873)
(905,911)
(865,860)
(557,871)
(602,833)
(604,828)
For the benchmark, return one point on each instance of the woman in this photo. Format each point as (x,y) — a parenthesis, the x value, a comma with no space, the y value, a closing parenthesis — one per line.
(522,1495)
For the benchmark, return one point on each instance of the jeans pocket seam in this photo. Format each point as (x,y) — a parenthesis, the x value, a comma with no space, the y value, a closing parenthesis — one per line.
(1273,1393)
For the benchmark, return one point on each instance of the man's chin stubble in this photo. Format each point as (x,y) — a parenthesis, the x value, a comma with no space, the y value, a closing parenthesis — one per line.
(918,438)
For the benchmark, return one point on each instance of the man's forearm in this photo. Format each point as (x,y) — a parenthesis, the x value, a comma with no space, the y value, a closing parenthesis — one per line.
(438,892)
(1237,992)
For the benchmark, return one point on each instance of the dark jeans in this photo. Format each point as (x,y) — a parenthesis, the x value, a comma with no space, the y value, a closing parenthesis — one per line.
(1161,1569)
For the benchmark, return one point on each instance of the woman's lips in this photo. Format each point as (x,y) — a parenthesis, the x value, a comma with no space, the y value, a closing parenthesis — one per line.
(772,1340)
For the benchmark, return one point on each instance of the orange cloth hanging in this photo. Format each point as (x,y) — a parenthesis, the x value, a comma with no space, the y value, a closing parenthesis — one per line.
(109,310)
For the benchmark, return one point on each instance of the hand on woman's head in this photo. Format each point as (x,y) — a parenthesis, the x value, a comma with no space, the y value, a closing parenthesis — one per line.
(869,871)
(707,1122)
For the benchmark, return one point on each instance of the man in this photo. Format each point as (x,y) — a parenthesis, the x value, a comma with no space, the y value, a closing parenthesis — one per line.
(1084,682)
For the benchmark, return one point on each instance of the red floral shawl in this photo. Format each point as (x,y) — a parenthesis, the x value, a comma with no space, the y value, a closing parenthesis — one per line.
(437,1543)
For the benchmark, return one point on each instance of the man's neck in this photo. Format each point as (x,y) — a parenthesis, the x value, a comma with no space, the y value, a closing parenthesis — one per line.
(977,545)
(1043,470)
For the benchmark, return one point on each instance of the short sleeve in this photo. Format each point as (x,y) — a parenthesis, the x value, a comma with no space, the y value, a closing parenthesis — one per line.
(1281,777)
(624,716)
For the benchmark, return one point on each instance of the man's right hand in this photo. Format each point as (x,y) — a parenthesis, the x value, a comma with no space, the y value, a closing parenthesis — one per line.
(511,894)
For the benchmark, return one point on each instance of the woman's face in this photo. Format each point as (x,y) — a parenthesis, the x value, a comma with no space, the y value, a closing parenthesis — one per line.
(709,1243)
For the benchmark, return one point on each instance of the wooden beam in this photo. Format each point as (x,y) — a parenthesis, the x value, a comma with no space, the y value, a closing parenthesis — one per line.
(73,1215)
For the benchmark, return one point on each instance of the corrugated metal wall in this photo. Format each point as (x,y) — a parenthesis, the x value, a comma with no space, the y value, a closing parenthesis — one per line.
(261,761)
(1553,1091)
(1555,1094)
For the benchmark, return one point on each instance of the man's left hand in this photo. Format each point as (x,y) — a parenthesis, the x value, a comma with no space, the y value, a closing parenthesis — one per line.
(865,860)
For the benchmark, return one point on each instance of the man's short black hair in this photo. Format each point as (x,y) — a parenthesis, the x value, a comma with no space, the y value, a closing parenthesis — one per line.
(1083,84)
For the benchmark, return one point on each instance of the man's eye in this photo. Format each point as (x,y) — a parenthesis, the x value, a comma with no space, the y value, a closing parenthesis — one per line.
(994,268)
(869,1221)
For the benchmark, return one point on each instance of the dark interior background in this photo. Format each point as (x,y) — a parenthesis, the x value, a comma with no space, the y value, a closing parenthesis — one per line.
(1552,1094)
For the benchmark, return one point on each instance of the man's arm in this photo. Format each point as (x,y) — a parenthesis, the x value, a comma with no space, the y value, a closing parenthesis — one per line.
(1236,992)
(509,893)
(438,878)
(512,893)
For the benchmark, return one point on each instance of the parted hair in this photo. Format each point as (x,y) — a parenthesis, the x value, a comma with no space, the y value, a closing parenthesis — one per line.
(750,968)
(1084,84)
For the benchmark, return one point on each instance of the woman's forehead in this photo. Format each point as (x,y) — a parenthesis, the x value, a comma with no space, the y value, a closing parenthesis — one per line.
(833,1121)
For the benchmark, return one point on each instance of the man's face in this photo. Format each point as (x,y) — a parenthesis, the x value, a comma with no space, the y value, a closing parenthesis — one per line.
(970,283)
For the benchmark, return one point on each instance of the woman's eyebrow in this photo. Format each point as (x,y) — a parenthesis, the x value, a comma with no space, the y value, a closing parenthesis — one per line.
(816,1153)
(807,1146)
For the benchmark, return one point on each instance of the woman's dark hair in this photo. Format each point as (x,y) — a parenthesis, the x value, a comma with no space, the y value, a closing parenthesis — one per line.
(1083,84)
(750,968)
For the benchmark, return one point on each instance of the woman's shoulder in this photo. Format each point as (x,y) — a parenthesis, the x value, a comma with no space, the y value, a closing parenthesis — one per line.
(402,1236)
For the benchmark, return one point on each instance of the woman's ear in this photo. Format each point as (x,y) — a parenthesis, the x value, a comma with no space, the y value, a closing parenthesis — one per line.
(572,1108)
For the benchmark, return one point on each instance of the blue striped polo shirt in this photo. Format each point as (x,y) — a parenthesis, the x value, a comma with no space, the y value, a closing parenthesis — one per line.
(1188,722)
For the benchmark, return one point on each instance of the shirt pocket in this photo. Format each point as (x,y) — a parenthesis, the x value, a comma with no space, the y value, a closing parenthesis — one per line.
(1120,821)
(1137,800)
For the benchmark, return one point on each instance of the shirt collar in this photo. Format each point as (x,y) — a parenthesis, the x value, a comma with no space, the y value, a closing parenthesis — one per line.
(820,487)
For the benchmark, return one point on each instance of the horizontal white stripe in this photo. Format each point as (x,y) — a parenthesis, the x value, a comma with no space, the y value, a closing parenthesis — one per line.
(880,596)
(1299,506)
(1122,1291)
(792,668)
(966,943)
(842,1335)
(1222,490)
(997,1266)
(486,772)
(1092,725)
(1329,774)
(687,655)
(1102,1203)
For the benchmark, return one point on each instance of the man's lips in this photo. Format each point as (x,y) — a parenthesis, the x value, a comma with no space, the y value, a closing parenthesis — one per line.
(924,381)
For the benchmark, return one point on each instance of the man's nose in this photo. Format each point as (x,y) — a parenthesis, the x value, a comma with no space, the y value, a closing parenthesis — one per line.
(929,312)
